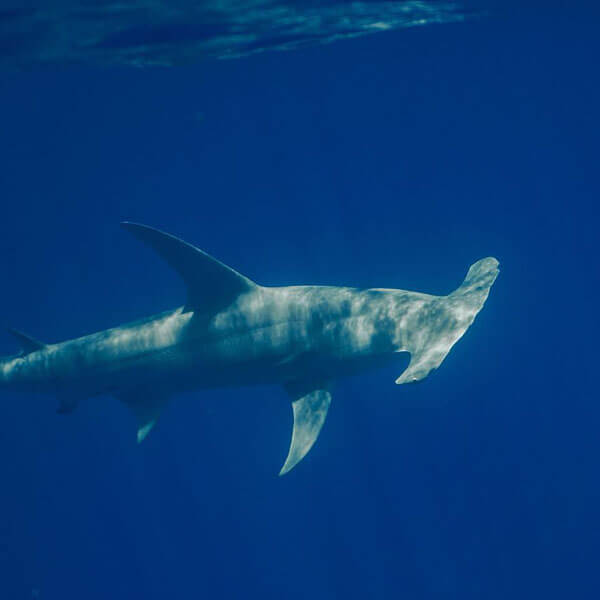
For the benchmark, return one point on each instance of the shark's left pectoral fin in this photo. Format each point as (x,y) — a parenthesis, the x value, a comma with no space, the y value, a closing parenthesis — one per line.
(146,406)
(310,410)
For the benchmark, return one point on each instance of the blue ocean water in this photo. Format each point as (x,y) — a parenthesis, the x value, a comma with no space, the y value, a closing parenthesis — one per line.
(388,160)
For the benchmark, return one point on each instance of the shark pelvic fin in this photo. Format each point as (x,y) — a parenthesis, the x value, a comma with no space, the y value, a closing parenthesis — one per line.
(146,407)
(210,284)
(144,430)
(28,343)
(310,410)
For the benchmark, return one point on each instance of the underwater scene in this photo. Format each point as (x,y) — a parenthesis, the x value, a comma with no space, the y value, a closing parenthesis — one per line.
(300,299)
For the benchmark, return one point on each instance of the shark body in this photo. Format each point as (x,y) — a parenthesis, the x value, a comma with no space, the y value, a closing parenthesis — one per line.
(234,332)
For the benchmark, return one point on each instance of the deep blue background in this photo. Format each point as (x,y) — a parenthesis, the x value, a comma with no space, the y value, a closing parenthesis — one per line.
(395,160)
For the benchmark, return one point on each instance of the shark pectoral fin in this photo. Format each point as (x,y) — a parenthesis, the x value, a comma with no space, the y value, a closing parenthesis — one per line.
(310,411)
(28,344)
(147,408)
(210,284)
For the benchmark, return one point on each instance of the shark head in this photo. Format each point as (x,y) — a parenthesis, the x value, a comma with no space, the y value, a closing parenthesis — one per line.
(428,326)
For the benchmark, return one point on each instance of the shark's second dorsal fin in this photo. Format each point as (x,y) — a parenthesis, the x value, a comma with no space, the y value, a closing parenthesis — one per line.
(28,343)
(210,284)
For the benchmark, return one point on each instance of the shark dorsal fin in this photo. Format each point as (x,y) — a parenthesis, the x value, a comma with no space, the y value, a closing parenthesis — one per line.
(210,284)
(28,343)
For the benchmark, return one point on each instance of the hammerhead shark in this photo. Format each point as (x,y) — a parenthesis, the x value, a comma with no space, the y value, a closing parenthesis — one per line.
(234,332)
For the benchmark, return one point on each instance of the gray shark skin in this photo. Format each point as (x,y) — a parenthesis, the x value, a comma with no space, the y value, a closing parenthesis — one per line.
(234,332)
